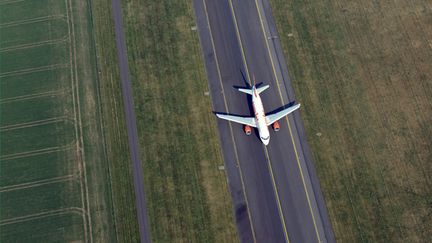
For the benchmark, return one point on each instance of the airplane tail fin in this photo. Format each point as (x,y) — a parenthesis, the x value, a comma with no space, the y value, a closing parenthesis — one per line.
(250,91)
(261,89)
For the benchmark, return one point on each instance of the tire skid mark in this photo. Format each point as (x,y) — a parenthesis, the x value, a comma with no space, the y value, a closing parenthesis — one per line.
(36,183)
(32,20)
(37,152)
(32,96)
(45,214)
(35,44)
(32,70)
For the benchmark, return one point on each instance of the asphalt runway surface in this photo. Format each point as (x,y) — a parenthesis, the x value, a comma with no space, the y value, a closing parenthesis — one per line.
(275,191)
(141,207)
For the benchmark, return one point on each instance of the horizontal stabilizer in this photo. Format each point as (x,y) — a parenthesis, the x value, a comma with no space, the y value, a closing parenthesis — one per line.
(261,89)
(250,91)
(247,91)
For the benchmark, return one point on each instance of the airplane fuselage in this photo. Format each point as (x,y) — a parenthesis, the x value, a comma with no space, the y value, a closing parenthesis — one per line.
(260,118)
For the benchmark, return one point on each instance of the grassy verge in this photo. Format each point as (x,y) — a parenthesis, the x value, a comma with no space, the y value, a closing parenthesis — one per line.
(362,71)
(188,199)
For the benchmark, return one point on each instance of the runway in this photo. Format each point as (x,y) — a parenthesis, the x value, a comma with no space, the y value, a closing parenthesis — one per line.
(275,191)
(140,201)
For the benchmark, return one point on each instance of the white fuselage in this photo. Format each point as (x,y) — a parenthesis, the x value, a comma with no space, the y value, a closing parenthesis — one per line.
(260,118)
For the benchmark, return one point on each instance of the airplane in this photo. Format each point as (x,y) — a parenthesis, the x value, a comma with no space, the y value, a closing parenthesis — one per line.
(261,121)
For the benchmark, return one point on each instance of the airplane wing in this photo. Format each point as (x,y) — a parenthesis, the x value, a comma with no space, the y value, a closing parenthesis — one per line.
(274,117)
(250,121)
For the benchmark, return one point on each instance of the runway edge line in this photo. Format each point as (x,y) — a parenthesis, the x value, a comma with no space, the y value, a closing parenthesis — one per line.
(326,228)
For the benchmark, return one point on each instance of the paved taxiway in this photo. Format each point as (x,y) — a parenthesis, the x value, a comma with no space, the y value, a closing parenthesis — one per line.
(140,201)
(274,189)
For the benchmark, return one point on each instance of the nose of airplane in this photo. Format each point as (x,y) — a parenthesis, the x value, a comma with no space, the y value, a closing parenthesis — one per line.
(265,142)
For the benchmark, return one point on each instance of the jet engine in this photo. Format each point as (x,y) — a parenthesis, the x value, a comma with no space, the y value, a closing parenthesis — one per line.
(247,130)
(276,126)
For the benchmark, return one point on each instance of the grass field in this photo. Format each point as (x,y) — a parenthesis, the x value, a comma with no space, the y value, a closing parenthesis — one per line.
(188,199)
(53,172)
(362,70)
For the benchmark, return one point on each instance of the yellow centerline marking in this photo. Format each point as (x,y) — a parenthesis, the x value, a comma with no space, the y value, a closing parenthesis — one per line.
(289,126)
(231,130)
(277,195)
(241,44)
(265,148)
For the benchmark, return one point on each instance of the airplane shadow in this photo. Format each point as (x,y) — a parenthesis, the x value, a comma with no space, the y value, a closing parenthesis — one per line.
(280,108)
